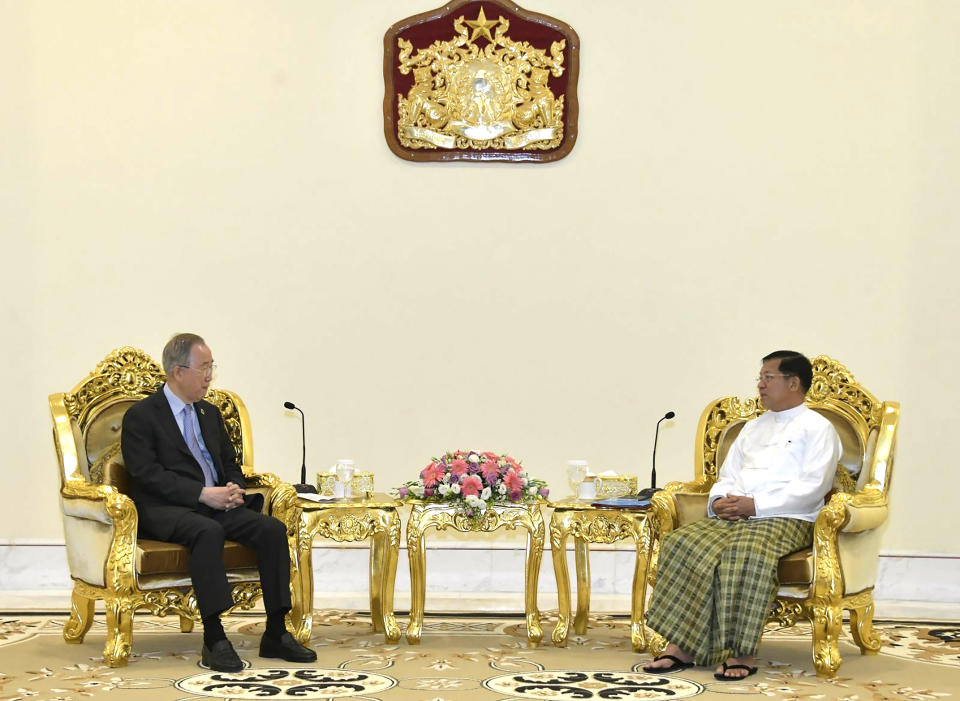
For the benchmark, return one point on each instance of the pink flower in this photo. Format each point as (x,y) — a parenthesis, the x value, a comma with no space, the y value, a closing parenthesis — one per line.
(404,492)
(471,486)
(513,481)
(491,456)
(491,473)
(458,468)
(432,474)
(544,492)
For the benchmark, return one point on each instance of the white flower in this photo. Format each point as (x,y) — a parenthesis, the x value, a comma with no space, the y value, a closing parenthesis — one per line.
(532,491)
(446,478)
(443,489)
(474,458)
(502,488)
(473,501)
(417,490)
(455,488)
(485,494)
(524,481)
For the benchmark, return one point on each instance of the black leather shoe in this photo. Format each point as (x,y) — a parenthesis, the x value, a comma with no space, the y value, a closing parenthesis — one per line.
(221,657)
(286,648)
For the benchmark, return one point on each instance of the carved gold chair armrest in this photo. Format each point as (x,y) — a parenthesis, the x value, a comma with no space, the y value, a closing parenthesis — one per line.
(678,504)
(97,502)
(865,510)
(259,480)
(267,484)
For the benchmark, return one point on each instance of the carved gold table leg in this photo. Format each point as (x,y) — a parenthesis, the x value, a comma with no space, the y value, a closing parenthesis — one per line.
(638,603)
(301,587)
(535,529)
(418,568)
(81,618)
(559,530)
(116,651)
(582,557)
(391,555)
(376,581)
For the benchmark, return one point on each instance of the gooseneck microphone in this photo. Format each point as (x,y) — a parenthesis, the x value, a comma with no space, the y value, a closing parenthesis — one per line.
(653,488)
(303,487)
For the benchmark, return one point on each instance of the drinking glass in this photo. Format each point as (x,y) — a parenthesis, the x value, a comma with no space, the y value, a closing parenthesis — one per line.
(345,471)
(576,473)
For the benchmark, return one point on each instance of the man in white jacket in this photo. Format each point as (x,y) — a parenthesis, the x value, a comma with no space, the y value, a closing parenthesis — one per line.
(718,576)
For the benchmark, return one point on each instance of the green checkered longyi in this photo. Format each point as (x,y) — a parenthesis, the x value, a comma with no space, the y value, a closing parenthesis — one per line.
(716,582)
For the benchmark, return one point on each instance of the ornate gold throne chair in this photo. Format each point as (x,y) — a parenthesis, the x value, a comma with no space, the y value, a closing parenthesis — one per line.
(838,573)
(106,558)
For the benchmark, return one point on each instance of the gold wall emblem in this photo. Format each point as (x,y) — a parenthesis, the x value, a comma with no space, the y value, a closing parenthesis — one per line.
(480,80)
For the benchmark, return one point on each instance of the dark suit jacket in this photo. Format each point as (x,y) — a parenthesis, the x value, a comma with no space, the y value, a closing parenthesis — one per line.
(165,478)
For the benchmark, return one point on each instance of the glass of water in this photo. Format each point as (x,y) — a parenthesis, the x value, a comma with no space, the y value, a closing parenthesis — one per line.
(576,473)
(345,472)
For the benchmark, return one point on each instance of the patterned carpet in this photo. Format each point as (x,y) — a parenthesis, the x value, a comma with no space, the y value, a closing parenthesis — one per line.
(460,659)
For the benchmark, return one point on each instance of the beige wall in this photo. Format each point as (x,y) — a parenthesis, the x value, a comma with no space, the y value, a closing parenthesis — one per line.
(749,175)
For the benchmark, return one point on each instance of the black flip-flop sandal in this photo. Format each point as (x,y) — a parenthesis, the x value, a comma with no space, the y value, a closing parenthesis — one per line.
(722,676)
(677,664)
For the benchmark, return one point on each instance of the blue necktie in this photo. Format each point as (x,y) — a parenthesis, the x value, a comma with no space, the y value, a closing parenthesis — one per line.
(190,436)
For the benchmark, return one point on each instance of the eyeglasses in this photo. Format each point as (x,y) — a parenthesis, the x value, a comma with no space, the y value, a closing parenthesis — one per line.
(768,377)
(207,371)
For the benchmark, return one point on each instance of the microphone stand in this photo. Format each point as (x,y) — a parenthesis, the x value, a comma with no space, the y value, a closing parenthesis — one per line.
(303,487)
(648,492)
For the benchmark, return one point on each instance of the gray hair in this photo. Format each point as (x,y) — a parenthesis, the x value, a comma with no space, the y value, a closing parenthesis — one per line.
(177,350)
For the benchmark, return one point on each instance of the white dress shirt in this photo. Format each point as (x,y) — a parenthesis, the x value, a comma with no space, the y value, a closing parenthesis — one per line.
(785,461)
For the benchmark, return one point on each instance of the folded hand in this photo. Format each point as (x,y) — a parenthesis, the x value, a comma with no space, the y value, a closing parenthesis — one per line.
(734,508)
(223,498)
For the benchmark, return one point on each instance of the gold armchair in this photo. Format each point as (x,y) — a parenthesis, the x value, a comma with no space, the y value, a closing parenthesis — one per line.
(106,558)
(840,570)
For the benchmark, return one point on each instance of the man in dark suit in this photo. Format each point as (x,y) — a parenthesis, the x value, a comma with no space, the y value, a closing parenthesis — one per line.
(189,489)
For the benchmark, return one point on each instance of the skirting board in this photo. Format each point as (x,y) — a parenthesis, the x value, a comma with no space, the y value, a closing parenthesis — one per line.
(912,586)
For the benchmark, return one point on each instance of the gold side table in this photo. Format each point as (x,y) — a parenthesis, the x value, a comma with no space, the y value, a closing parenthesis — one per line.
(442,516)
(591,524)
(343,520)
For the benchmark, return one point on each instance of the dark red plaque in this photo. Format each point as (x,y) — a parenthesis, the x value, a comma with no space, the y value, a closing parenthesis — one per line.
(480,80)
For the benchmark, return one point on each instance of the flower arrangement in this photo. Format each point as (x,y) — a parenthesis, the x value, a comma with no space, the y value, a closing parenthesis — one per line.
(474,481)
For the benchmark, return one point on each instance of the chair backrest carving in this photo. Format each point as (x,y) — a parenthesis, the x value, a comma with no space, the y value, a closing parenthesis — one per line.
(88,419)
(854,412)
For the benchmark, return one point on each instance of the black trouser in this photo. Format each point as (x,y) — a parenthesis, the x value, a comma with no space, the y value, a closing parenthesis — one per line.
(203,533)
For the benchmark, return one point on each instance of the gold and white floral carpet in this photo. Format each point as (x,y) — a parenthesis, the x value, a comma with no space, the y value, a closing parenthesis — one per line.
(460,659)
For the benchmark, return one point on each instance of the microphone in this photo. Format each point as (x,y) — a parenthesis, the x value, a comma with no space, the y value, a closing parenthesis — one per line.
(653,488)
(303,487)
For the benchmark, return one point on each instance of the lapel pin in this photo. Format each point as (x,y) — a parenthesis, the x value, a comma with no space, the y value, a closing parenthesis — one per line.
(202,411)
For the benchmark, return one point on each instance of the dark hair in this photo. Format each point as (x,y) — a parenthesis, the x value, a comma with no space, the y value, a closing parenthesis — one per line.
(177,350)
(795,364)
